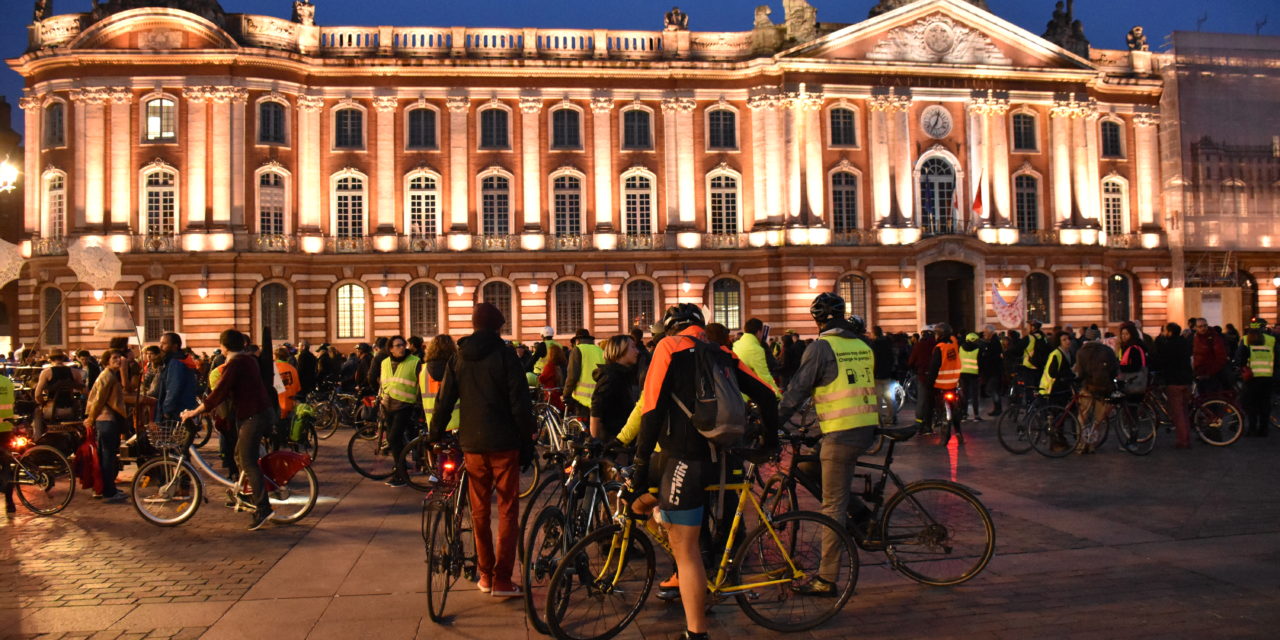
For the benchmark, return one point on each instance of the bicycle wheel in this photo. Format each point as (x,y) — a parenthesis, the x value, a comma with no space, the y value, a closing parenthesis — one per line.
(205,432)
(940,432)
(1218,422)
(601,584)
(778,496)
(549,493)
(1011,431)
(443,569)
(327,421)
(417,466)
(44,481)
(367,453)
(293,500)
(529,479)
(1137,429)
(547,542)
(310,444)
(166,493)
(937,533)
(808,547)
(1053,431)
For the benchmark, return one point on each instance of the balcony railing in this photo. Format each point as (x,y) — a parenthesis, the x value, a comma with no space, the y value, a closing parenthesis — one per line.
(348,244)
(640,242)
(1038,237)
(725,241)
(272,243)
(575,242)
(1124,240)
(495,243)
(855,237)
(157,243)
(419,243)
(52,246)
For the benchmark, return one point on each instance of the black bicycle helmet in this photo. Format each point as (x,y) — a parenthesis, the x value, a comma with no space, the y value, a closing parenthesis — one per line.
(827,307)
(680,316)
(943,330)
(859,325)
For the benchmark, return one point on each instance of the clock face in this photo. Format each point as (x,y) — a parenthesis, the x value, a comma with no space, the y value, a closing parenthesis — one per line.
(936,121)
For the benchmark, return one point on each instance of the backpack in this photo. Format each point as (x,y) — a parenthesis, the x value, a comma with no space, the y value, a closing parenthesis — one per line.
(719,413)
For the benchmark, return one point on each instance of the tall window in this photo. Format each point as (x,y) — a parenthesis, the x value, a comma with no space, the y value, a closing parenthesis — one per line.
(722,202)
(844,201)
(566,193)
(1119,305)
(937,188)
(161,202)
(55,128)
(493,129)
(495,206)
(498,294)
(1113,201)
(1112,144)
(271,203)
(566,129)
(348,127)
(569,307)
(273,304)
(157,312)
(642,304)
(424,310)
(722,129)
(1024,132)
(1037,291)
(726,303)
(350,312)
(161,120)
(271,123)
(422,128)
(853,288)
(55,205)
(349,207)
(637,134)
(637,198)
(51,316)
(843,128)
(1026,202)
(423,206)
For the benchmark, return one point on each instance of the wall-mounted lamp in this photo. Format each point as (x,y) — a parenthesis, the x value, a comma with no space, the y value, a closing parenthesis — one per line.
(608,287)
(1164,283)
(906,282)
(8,175)
(1088,280)
(382,290)
(533,287)
(457,288)
(813,280)
(203,290)
(97,294)
(1006,281)
(684,286)
(1275,282)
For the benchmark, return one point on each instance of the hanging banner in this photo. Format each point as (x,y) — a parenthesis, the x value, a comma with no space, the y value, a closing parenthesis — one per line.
(1011,314)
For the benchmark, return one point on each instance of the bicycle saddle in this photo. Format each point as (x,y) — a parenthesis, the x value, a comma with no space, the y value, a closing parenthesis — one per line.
(897,434)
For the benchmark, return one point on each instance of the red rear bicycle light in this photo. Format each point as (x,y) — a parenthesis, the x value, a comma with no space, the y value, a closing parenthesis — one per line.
(949,396)
(19,442)
(450,465)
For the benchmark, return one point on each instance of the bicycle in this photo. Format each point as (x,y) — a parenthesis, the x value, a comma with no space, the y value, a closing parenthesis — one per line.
(167,491)
(40,474)
(1215,417)
(446,532)
(611,571)
(421,470)
(1011,428)
(935,532)
(946,417)
(1133,422)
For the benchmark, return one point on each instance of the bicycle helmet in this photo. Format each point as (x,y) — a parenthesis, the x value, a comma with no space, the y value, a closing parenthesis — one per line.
(681,316)
(859,325)
(827,307)
(1257,323)
(943,330)
(972,337)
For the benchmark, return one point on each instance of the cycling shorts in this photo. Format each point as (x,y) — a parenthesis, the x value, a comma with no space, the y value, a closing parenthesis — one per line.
(682,493)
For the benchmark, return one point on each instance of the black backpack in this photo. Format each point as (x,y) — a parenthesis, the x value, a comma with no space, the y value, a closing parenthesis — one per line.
(719,412)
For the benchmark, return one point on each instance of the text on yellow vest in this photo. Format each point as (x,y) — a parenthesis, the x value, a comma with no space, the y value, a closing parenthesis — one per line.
(849,401)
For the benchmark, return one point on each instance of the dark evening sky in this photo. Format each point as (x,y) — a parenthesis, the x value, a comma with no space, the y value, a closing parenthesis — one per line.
(1105,21)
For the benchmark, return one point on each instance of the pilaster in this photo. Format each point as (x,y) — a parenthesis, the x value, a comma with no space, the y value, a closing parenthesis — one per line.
(384,166)
(530,162)
(459,106)
(309,181)
(601,126)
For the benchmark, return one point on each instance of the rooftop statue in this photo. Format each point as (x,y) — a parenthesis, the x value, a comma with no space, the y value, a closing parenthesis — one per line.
(208,9)
(1137,39)
(676,20)
(885,6)
(1065,31)
(44,9)
(304,13)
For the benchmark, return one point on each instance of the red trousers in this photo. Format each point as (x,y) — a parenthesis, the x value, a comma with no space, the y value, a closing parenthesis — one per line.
(487,472)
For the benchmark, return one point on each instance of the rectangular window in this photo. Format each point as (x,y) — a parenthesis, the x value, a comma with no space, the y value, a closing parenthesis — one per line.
(640,304)
(53,316)
(271,123)
(349,129)
(57,206)
(161,125)
(565,130)
(1024,132)
(1026,203)
(638,205)
(843,131)
(422,129)
(636,134)
(1112,208)
(161,203)
(493,129)
(54,126)
(1112,146)
(495,207)
(271,204)
(422,212)
(569,307)
(424,310)
(722,129)
(724,205)
(726,303)
(844,202)
(350,208)
(567,195)
(350,312)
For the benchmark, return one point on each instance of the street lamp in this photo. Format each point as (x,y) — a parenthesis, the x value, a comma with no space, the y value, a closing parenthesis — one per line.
(8,175)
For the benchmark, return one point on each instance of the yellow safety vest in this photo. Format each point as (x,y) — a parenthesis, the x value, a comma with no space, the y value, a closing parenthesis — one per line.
(399,384)
(969,361)
(6,404)
(1046,380)
(849,401)
(592,357)
(542,362)
(1029,352)
(430,387)
(949,371)
(1262,358)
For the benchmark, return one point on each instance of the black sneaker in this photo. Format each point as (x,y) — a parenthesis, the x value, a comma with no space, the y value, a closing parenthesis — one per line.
(689,635)
(260,519)
(818,587)
(397,483)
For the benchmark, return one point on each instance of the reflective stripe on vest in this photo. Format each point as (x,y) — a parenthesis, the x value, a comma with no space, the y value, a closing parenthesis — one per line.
(969,361)
(1030,351)
(430,387)
(394,383)
(1262,358)
(949,370)
(592,357)
(849,401)
(1046,380)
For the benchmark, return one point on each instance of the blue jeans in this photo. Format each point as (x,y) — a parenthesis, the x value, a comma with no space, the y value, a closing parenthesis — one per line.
(108,433)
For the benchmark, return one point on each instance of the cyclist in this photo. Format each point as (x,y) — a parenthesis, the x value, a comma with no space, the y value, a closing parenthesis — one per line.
(438,353)
(544,347)
(838,372)
(399,397)
(970,383)
(579,381)
(685,467)
(1258,351)
(750,349)
(289,397)
(941,376)
(1035,350)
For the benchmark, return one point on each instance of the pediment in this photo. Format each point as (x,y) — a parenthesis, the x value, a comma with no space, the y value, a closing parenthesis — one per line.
(154,29)
(941,32)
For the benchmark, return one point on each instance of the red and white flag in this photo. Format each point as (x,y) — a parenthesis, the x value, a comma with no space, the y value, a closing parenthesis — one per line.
(977,200)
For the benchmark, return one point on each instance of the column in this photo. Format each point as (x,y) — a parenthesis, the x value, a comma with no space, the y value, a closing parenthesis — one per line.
(1060,159)
(197,154)
(530,159)
(601,119)
(814,175)
(998,128)
(220,160)
(1146,160)
(878,158)
(794,156)
(91,158)
(685,166)
(75,181)
(670,177)
(32,106)
(1093,152)
(121,149)
(904,175)
(385,164)
(774,150)
(309,181)
(759,163)
(976,111)
(1080,165)
(239,97)
(458,174)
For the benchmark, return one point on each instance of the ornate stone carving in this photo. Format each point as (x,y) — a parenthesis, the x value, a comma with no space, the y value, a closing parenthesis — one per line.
(890,103)
(1146,119)
(120,95)
(801,20)
(160,40)
(675,20)
(347,102)
(530,104)
(273,165)
(304,13)
(987,103)
(885,6)
(602,104)
(458,104)
(681,105)
(803,100)
(275,96)
(195,94)
(31,101)
(1070,107)
(310,103)
(91,95)
(1065,31)
(158,163)
(42,10)
(938,38)
(766,98)
(1137,40)
(226,94)
(385,104)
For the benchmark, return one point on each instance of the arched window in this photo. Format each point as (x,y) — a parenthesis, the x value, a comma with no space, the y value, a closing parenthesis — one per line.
(722,129)
(271,122)
(493,129)
(422,203)
(1112,139)
(566,128)
(55,205)
(158,312)
(1119,299)
(726,303)
(495,205)
(642,304)
(348,207)
(273,305)
(422,128)
(844,201)
(1026,202)
(843,127)
(566,194)
(498,294)
(637,203)
(637,131)
(351,312)
(570,307)
(722,204)
(853,288)
(424,310)
(1024,132)
(161,120)
(55,128)
(348,128)
(937,188)
(1114,206)
(271,203)
(160,202)
(1038,305)
(51,317)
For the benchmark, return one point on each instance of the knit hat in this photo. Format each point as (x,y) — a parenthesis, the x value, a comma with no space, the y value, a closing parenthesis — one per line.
(487,317)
